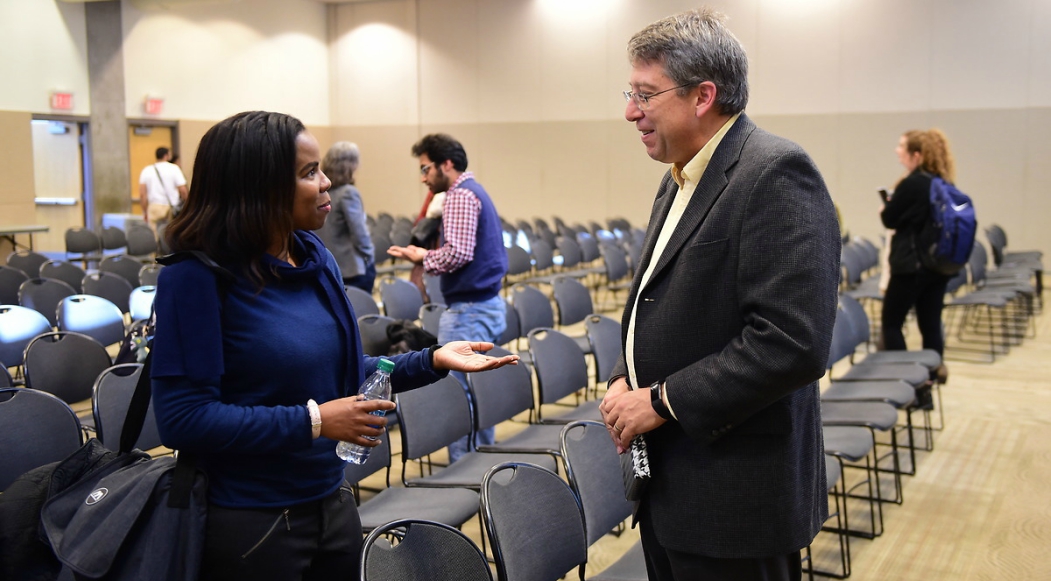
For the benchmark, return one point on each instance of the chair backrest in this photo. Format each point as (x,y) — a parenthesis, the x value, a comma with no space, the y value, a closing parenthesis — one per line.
(569,250)
(43,295)
(93,316)
(149,273)
(113,238)
(27,261)
(5,376)
(373,331)
(561,369)
(82,241)
(110,400)
(36,428)
(512,329)
(362,302)
(433,284)
(616,262)
(534,523)
(65,364)
(430,316)
(593,470)
(142,241)
(125,266)
(18,326)
(432,417)
(140,302)
(68,273)
(604,336)
(573,300)
(401,299)
(112,287)
(424,550)
(500,394)
(843,342)
(380,244)
(10,279)
(534,308)
(518,261)
(162,239)
(543,254)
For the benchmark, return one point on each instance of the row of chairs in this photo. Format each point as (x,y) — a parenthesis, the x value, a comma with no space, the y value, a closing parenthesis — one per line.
(88,246)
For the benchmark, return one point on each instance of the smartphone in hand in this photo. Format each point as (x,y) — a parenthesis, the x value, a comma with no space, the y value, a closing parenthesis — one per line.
(884,195)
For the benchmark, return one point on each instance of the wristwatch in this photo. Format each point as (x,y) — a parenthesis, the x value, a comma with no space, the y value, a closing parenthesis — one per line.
(315,418)
(657,400)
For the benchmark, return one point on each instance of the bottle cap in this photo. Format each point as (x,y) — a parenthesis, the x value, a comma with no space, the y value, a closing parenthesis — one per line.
(385,365)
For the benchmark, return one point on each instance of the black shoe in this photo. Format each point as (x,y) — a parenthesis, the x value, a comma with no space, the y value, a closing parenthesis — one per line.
(924,398)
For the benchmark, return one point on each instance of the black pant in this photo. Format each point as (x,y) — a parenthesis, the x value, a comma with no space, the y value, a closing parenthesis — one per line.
(924,290)
(318,540)
(664,564)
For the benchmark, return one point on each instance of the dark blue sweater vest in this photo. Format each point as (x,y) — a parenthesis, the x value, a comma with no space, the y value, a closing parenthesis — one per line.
(482,277)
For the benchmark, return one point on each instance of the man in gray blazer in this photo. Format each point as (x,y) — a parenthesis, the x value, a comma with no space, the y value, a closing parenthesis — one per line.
(728,324)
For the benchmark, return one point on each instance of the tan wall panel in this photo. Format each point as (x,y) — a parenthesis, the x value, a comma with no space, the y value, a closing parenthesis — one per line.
(16,174)
(389,177)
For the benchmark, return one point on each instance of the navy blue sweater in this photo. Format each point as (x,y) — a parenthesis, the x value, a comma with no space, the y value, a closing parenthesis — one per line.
(482,278)
(232,375)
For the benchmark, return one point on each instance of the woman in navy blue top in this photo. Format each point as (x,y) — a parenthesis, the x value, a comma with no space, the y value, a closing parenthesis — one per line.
(256,377)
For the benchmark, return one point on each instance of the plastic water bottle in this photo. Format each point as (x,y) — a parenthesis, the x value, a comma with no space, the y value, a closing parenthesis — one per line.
(377,386)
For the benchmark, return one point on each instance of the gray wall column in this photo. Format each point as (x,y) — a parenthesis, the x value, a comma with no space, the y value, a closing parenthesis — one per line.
(109,126)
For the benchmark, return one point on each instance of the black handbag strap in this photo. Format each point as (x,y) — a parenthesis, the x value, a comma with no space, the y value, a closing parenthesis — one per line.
(185,466)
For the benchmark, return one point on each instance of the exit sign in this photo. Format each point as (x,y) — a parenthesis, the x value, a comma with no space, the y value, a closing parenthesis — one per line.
(153,105)
(62,101)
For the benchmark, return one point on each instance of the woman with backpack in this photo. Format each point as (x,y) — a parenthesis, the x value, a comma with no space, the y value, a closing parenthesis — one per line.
(257,361)
(924,154)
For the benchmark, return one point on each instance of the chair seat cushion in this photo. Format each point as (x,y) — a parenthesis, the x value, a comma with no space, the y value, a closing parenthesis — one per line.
(451,506)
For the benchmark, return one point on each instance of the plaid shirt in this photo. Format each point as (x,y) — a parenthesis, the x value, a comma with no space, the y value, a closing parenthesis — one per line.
(459,229)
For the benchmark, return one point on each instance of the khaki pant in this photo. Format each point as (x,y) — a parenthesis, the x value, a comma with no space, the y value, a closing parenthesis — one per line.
(157,213)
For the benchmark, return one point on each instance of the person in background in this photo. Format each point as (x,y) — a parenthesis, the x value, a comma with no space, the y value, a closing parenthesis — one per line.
(470,259)
(256,377)
(162,189)
(729,320)
(923,154)
(345,232)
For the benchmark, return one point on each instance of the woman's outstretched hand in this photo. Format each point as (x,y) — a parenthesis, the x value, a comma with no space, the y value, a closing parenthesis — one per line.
(461,356)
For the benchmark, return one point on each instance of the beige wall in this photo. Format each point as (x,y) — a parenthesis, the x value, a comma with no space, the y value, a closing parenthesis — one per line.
(16,174)
(532,87)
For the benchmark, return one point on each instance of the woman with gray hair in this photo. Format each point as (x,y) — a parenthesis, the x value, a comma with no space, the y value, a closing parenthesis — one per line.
(345,233)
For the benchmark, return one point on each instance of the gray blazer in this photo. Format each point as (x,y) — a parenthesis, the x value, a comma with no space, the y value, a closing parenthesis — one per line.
(737,318)
(346,233)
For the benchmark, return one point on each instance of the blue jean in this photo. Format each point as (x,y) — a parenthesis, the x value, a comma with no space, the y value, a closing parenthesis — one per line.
(480,321)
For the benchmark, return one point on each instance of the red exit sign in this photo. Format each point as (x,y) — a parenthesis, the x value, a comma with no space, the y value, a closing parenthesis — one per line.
(62,101)
(153,105)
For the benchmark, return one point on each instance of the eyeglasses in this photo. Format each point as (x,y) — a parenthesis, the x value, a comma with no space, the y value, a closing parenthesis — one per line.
(425,168)
(642,100)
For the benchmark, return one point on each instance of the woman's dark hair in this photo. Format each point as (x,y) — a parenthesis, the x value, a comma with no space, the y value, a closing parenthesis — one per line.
(242,191)
(440,147)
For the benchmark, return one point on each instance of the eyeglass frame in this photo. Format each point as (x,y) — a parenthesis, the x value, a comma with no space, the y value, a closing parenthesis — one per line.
(426,168)
(642,100)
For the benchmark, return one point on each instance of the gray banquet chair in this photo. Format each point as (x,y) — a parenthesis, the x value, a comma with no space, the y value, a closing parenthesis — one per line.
(373,331)
(141,241)
(110,400)
(561,371)
(18,326)
(362,301)
(67,272)
(401,299)
(521,501)
(140,302)
(83,245)
(593,470)
(431,316)
(112,287)
(449,506)
(65,364)
(43,296)
(10,279)
(149,273)
(123,265)
(27,261)
(423,550)
(93,316)
(36,428)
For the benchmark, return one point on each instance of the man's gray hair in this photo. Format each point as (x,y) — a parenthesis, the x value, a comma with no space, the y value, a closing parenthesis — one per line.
(693,47)
(341,162)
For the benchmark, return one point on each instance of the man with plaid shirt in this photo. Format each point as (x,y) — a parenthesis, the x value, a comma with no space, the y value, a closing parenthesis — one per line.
(471,259)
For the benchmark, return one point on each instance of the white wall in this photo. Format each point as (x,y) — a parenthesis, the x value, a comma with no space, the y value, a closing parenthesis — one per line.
(43,48)
(209,61)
